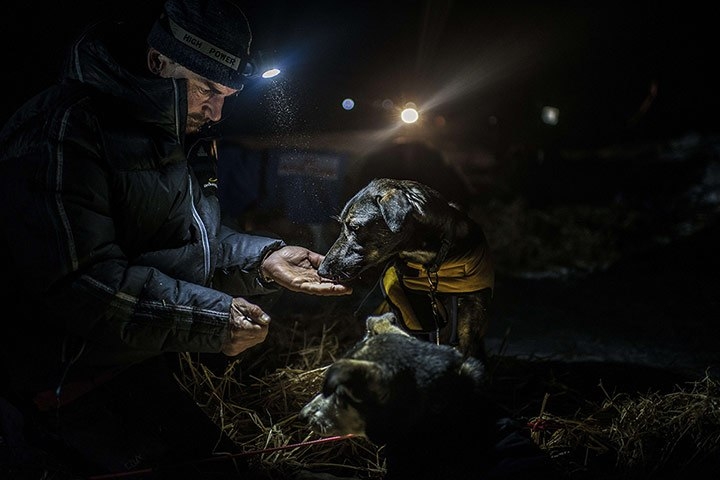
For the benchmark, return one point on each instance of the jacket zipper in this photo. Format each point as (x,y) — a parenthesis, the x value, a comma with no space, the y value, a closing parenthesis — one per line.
(203,234)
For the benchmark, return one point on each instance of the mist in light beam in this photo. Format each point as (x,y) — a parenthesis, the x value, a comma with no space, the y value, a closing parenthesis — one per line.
(481,71)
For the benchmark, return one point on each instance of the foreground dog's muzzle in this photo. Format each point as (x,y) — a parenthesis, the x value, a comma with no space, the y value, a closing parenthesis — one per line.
(327,416)
(341,265)
(340,273)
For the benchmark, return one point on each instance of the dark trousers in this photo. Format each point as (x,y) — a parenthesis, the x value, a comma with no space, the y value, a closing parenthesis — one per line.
(140,421)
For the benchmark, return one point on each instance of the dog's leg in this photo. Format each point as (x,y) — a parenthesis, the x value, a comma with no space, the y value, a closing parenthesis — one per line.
(454,339)
(473,322)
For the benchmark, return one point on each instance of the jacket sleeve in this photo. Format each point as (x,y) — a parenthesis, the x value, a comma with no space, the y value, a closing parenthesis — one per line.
(121,306)
(240,254)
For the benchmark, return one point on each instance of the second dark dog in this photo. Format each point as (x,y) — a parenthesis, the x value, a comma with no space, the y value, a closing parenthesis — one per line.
(427,405)
(439,277)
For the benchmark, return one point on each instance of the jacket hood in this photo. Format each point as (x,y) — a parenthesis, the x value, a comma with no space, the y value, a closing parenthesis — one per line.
(110,57)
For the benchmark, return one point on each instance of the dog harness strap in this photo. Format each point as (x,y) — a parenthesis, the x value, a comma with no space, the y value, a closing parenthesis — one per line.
(469,273)
(442,253)
(435,304)
(454,340)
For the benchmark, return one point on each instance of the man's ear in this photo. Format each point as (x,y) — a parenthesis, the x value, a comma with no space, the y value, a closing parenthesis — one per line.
(156,61)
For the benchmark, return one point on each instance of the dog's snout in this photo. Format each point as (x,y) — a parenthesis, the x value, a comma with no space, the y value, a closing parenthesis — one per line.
(305,413)
(324,271)
(308,412)
(331,268)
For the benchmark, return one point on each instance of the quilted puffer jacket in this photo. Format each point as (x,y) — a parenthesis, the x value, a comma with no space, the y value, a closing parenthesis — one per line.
(109,246)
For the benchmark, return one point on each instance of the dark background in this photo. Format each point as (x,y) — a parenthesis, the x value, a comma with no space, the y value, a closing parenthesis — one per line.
(485,67)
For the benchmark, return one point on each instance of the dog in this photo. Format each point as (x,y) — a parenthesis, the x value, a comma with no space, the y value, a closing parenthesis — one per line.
(438,275)
(427,405)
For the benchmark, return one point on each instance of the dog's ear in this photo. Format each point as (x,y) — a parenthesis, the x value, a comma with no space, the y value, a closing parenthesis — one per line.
(358,380)
(394,207)
(383,324)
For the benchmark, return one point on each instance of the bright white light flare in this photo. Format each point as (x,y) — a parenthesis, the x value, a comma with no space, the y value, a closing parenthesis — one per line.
(273,72)
(409,115)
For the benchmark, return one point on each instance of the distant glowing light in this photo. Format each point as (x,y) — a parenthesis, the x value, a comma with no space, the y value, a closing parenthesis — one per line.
(550,115)
(348,104)
(273,72)
(409,115)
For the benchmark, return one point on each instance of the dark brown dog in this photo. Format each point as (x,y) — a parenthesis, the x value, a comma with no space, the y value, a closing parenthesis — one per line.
(427,405)
(438,278)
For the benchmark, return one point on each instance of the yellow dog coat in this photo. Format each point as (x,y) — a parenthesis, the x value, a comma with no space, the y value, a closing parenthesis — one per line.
(408,286)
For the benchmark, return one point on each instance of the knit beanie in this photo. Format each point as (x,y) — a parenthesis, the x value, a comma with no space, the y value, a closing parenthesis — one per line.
(209,37)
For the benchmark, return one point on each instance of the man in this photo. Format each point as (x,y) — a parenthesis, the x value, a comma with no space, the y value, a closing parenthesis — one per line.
(113,252)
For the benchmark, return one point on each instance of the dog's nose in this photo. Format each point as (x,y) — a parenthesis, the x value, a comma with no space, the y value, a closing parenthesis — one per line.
(306,412)
(304,415)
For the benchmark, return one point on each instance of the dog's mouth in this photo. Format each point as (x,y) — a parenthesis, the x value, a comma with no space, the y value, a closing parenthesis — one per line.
(343,278)
(365,276)
(341,275)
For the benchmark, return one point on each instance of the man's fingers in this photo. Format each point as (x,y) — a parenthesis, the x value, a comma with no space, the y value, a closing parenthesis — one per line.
(242,322)
(316,288)
(315,259)
(250,312)
(298,272)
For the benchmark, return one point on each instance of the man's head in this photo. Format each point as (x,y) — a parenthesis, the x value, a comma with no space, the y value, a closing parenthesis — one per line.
(206,42)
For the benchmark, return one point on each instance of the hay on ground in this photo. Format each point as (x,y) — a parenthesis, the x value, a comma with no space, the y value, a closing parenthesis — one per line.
(625,433)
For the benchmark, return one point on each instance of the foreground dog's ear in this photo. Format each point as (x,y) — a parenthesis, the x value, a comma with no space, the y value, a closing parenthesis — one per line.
(359,380)
(394,207)
(383,324)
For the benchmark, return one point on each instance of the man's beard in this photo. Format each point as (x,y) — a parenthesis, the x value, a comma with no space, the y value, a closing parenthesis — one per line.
(197,123)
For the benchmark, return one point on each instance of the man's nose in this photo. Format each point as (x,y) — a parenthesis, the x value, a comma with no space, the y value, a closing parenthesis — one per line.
(213,107)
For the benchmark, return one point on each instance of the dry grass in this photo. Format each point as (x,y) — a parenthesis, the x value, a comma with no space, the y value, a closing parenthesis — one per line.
(642,434)
(624,434)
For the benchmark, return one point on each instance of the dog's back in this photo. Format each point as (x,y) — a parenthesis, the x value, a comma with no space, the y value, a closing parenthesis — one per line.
(425,403)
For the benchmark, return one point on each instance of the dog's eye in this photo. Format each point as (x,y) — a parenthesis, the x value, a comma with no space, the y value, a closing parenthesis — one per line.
(344,394)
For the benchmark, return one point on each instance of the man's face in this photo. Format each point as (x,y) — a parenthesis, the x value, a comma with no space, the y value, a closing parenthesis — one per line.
(205,97)
(205,101)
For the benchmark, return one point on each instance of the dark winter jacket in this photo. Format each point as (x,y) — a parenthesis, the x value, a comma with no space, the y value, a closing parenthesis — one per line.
(109,245)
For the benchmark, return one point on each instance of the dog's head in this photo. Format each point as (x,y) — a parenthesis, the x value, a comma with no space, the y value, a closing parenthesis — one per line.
(380,221)
(389,382)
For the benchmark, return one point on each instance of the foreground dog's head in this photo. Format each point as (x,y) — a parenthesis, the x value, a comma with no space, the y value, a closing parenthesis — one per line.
(387,217)
(389,383)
